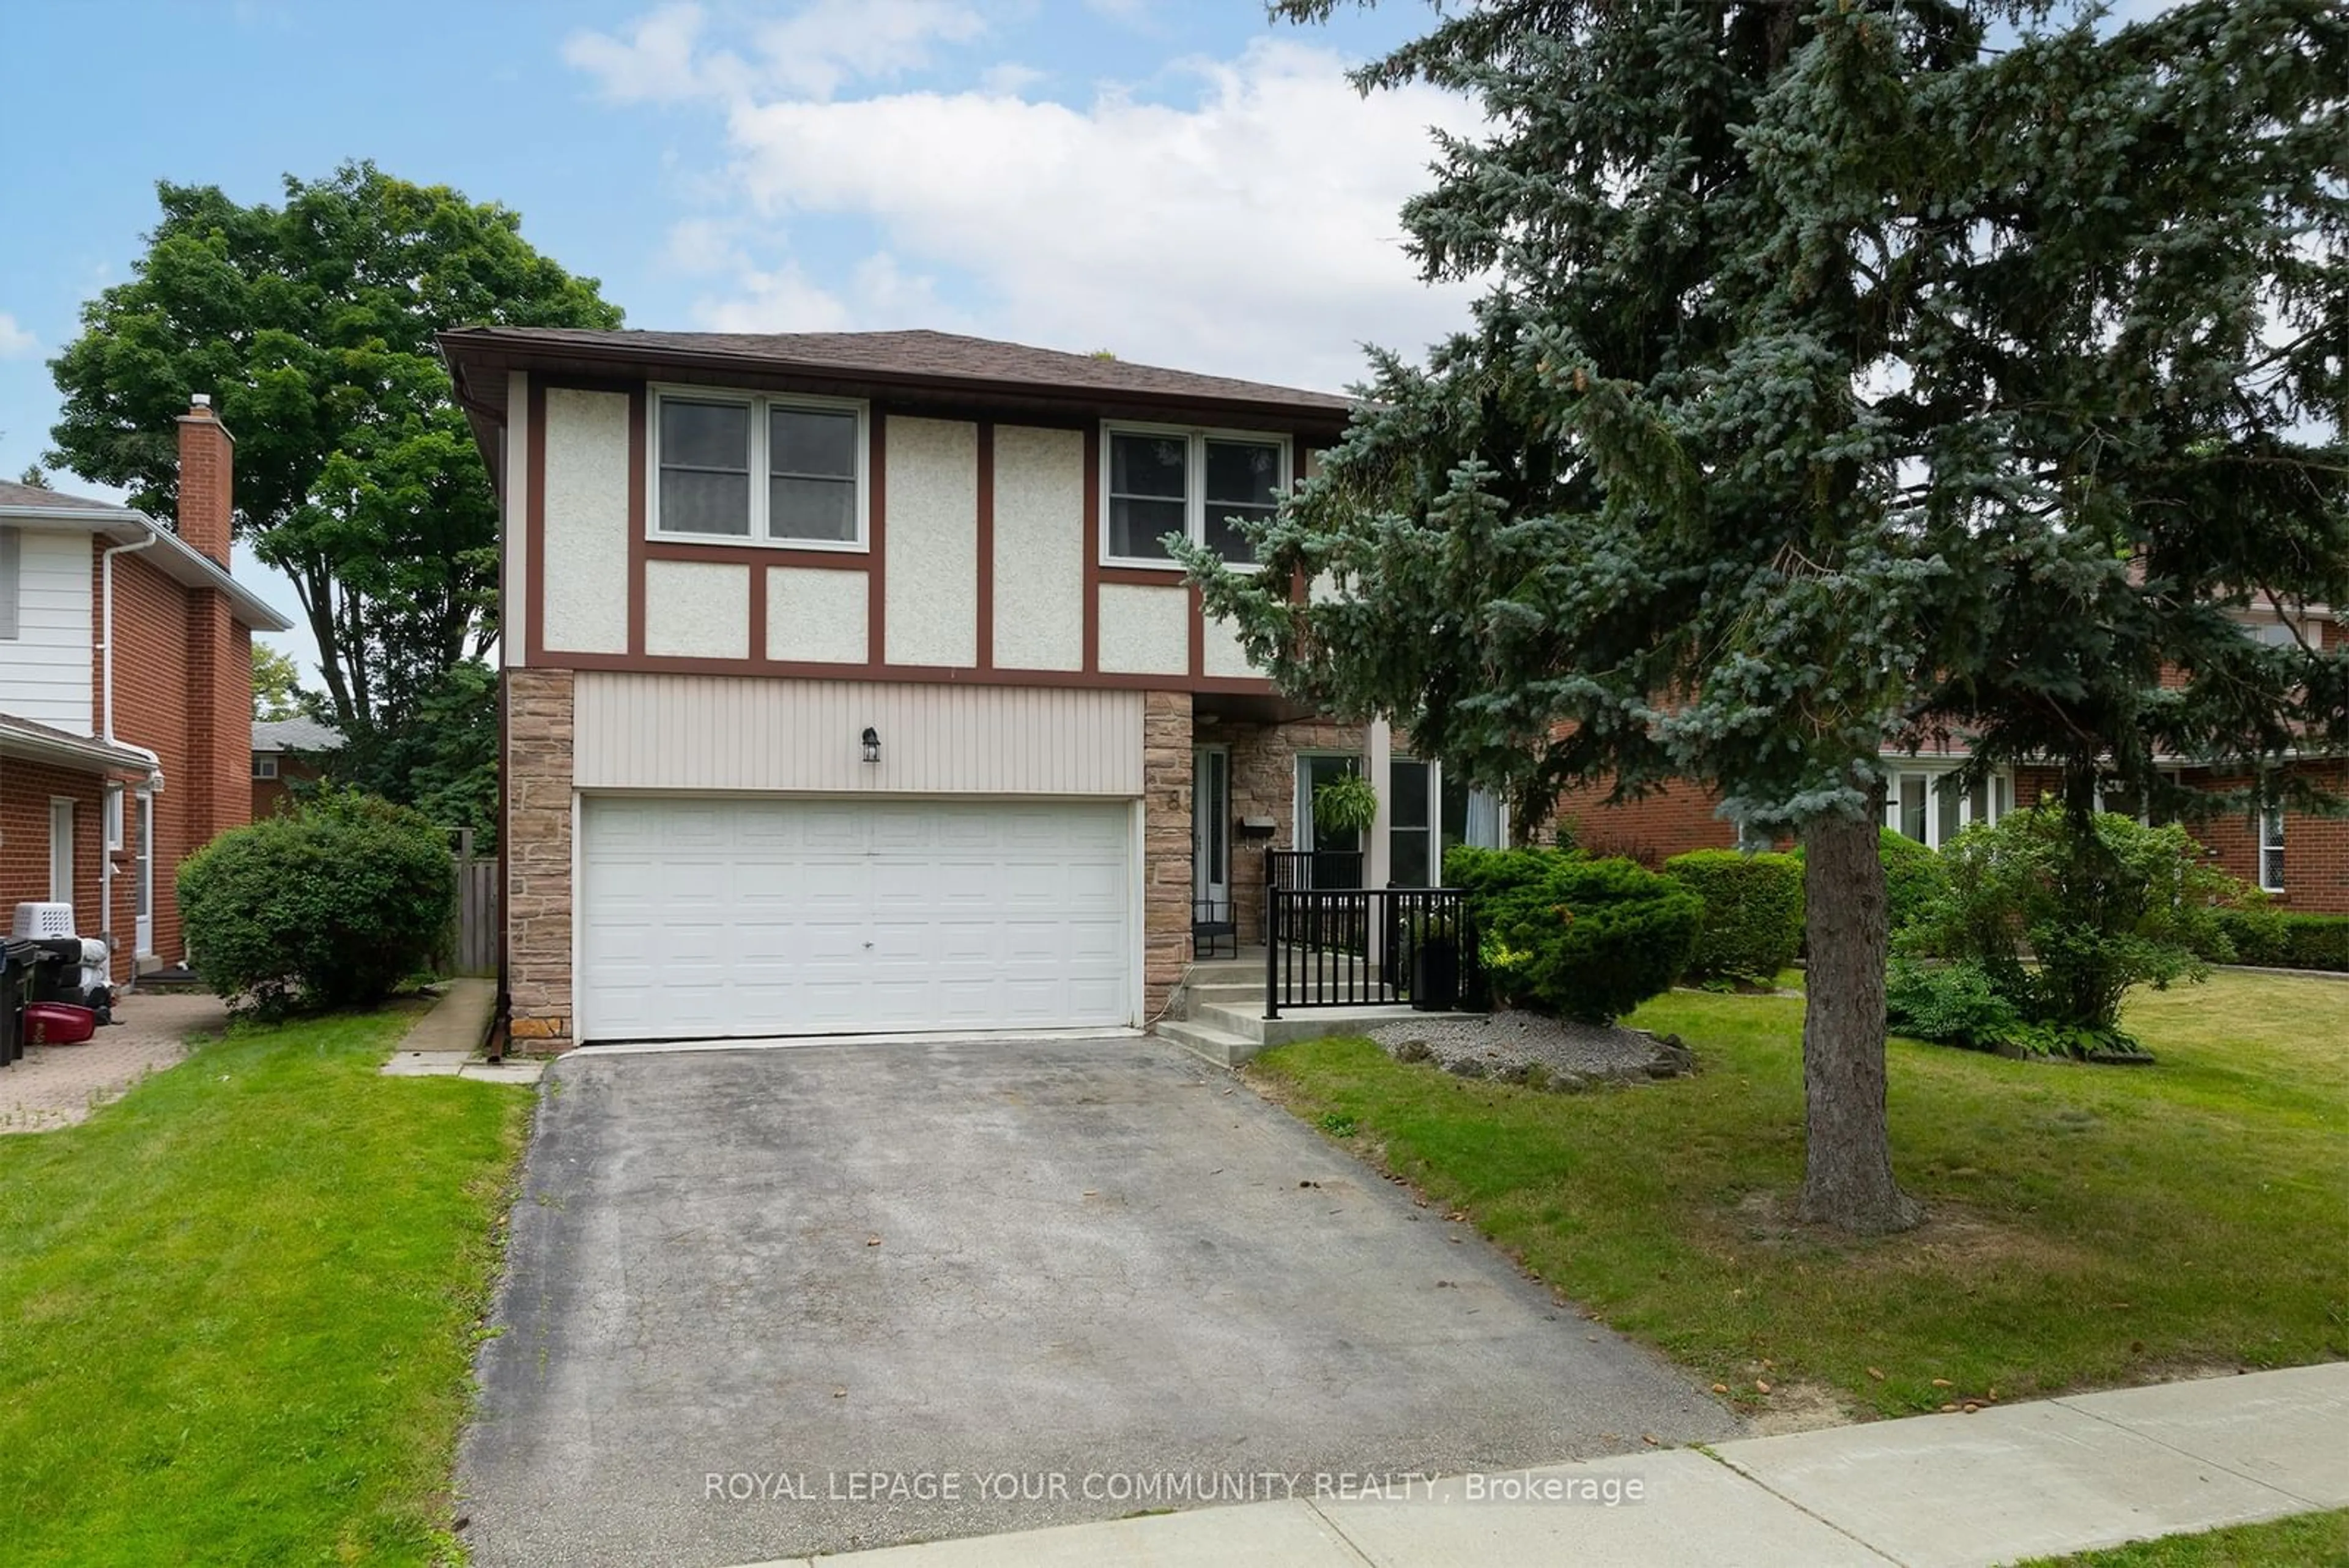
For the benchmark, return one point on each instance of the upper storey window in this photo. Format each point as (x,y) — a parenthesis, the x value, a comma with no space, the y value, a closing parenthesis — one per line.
(1194,483)
(761,470)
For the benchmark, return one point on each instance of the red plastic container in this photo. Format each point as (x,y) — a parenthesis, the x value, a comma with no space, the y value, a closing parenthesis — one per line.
(59,1023)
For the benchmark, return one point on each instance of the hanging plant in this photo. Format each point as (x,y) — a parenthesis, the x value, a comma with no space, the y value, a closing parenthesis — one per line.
(1346,805)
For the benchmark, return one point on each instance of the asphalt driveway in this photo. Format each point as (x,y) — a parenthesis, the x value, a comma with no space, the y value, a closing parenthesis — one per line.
(1023,1284)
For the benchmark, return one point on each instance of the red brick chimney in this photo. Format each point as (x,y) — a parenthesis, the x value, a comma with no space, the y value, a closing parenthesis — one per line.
(207,452)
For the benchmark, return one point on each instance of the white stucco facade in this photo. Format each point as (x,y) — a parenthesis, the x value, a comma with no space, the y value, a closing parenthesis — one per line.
(586,511)
(1145,630)
(696,609)
(931,543)
(1039,543)
(815,616)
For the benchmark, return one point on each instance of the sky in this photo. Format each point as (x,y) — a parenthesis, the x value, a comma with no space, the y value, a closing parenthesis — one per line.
(1183,182)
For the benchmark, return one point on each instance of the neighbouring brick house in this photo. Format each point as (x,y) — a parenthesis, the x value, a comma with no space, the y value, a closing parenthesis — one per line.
(847,688)
(2299,860)
(126,697)
(287,752)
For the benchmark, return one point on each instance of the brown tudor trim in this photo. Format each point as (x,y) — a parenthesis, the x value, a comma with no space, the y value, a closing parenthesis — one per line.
(1199,627)
(639,485)
(680,549)
(756,558)
(876,586)
(1167,576)
(1091,661)
(534,524)
(986,544)
(910,674)
(756,606)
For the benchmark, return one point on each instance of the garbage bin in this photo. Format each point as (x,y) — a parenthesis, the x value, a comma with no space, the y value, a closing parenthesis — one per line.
(16,978)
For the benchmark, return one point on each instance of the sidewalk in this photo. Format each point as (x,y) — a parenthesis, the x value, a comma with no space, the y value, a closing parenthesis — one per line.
(1931,1491)
(447,1041)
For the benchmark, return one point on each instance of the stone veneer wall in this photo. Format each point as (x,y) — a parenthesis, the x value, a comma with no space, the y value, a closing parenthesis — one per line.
(538,858)
(1263,784)
(1166,846)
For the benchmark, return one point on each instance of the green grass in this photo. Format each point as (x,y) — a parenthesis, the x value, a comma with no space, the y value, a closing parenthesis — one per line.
(2091,1226)
(237,1309)
(2309,1541)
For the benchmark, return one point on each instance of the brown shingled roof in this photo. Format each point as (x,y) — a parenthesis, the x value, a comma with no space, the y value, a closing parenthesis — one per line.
(939,357)
(14,496)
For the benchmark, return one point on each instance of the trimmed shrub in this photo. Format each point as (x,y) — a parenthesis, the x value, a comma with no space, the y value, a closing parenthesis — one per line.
(1914,878)
(2064,922)
(1950,1004)
(1752,911)
(1582,938)
(2262,934)
(331,906)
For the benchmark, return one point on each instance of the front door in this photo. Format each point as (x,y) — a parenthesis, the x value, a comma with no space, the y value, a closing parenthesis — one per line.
(1211,826)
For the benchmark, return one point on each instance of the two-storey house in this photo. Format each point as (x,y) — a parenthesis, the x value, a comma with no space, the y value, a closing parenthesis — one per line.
(848,686)
(126,697)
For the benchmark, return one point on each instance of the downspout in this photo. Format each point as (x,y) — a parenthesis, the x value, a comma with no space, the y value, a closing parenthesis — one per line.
(106,720)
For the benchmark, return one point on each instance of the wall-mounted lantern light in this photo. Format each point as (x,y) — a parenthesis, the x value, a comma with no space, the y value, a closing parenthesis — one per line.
(872,745)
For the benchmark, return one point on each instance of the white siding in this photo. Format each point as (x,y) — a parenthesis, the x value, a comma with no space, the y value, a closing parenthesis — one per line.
(816,616)
(737,733)
(587,558)
(698,610)
(45,669)
(1039,548)
(931,541)
(1145,630)
(513,603)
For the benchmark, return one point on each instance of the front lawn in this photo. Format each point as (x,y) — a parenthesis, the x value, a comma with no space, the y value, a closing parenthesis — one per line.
(237,1308)
(2091,1226)
(2306,1541)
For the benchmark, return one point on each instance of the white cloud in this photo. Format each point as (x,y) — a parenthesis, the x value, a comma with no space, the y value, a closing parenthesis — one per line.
(812,52)
(14,342)
(1250,231)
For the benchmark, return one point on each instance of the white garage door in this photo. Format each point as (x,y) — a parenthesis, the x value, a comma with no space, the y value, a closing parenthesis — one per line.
(713,917)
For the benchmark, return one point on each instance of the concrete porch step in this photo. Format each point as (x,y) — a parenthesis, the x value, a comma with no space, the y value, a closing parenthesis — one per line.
(1220,1046)
(1305,1022)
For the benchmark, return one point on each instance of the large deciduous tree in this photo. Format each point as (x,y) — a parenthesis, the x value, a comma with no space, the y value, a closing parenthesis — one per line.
(1851,373)
(311,325)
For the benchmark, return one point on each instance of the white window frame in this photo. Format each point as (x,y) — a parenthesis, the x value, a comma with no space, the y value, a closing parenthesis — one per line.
(113,817)
(2272,842)
(61,849)
(265,767)
(1194,482)
(761,476)
(1998,797)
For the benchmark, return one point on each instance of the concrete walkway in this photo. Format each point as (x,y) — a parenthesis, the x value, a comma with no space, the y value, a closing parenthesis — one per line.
(446,1042)
(58,1085)
(1934,1491)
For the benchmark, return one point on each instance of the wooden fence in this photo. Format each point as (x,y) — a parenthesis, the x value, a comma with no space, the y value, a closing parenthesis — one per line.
(477,909)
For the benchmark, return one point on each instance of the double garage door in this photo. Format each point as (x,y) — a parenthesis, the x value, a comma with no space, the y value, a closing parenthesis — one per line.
(709,917)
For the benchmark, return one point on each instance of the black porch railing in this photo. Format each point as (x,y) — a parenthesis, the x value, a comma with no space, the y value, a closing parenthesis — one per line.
(1333,868)
(1369,947)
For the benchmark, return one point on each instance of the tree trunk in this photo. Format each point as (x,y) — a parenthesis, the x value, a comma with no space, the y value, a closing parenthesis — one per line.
(1847,1166)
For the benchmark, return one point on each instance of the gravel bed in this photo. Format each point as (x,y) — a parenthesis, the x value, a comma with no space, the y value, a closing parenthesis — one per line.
(1527,1048)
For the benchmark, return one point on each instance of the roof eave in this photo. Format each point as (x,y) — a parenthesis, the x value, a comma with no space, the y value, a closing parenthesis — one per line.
(461,343)
(191,568)
(28,741)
